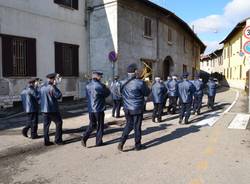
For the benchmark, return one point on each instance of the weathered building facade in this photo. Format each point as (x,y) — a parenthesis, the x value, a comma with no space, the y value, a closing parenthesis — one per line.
(39,37)
(143,33)
(213,62)
(236,62)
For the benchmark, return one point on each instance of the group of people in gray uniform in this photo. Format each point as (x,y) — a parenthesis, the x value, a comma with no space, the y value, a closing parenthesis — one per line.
(131,93)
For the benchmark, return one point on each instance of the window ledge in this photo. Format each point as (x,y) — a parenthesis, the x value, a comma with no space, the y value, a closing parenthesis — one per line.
(170,43)
(148,37)
(66,7)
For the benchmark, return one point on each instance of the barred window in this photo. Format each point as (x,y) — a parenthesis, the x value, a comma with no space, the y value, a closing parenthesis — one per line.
(66,59)
(18,56)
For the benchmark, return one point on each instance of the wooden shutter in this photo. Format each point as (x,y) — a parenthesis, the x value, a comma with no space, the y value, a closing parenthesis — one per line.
(31,57)
(75,60)
(58,58)
(7,56)
(75,4)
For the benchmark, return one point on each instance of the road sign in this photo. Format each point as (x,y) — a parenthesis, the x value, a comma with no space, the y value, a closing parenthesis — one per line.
(112,56)
(246,47)
(246,32)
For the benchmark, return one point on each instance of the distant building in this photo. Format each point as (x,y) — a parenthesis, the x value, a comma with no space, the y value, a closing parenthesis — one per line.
(236,63)
(38,37)
(213,62)
(141,32)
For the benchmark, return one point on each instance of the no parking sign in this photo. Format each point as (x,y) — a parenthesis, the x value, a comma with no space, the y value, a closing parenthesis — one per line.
(247,47)
(246,32)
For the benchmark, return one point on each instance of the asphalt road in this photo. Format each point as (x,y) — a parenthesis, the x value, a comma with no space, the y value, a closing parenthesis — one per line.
(204,152)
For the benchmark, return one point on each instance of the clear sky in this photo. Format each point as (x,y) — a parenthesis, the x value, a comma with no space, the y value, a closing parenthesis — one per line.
(212,19)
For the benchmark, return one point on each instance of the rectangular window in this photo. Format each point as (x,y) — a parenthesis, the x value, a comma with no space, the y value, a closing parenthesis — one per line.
(240,71)
(184,44)
(225,53)
(147,27)
(170,39)
(241,43)
(228,51)
(231,73)
(68,3)
(67,59)
(184,68)
(18,56)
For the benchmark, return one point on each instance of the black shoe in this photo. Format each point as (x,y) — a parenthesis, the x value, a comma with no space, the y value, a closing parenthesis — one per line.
(186,122)
(140,147)
(84,143)
(153,120)
(99,144)
(59,143)
(120,147)
(48,143)
(198,113)
(25,133)
(193,113)
(34,137)
(180,121)
(159,120)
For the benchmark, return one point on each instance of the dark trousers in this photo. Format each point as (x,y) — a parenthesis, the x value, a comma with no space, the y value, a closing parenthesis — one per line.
(116,108)
(165,101)
(32,123)
(197,103)
(47,118)
(172,104)
(96,118)
(134,121)
(185,111)
(210,102)
(157,112)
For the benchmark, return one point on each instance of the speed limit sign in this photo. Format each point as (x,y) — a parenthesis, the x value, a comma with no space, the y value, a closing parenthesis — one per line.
(247,32)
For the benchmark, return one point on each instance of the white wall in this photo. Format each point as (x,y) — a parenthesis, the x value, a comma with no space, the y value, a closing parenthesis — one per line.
(47,22)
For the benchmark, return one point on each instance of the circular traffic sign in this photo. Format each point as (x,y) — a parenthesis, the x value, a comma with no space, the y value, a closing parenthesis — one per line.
(246,47)
(246,32)
(112,56)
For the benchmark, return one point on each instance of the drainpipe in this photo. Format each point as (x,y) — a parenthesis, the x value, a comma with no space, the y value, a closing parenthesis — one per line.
(88,10)
(157,47)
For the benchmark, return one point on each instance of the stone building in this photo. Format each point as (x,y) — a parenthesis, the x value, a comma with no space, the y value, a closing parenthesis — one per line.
(144,33)
(38,37)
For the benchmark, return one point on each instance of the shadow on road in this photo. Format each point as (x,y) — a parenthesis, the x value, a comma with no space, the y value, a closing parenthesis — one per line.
(178,133)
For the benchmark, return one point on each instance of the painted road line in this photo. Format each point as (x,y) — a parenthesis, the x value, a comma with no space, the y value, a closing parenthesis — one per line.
(210,119)
(234,102)
(76,111)
(239,122)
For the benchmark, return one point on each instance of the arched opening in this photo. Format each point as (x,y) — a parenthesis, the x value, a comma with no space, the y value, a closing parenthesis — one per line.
(167,67)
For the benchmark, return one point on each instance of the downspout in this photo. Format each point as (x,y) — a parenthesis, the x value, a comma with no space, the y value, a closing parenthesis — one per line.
(157,47)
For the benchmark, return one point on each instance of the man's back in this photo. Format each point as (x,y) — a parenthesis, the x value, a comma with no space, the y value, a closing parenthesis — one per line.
(48,96)
(29,99)
(172,87)
(133,94)
(198,87)
(211,86)
(96,94)
(158,92)
(185,91)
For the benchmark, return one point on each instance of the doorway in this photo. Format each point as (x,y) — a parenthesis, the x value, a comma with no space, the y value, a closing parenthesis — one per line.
(167,67)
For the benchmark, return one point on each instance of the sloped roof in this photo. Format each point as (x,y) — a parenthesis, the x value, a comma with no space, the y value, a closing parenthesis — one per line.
(212,55)
(235,30)
(177,19)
